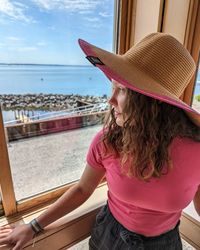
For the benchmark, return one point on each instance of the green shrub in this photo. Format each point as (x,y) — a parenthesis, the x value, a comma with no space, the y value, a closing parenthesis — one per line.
(197,97)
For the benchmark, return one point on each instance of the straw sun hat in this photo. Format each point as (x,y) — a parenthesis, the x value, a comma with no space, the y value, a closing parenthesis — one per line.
(158,66)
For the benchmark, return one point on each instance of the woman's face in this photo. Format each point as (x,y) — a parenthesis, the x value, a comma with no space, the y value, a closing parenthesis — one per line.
(117,101)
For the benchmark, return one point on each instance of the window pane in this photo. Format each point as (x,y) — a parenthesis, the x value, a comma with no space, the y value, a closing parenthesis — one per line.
(45,162)
(53,100)
(196,96)
(196,104)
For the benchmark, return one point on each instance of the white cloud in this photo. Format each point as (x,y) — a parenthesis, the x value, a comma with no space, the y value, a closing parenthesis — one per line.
(70,5)
(84,12)
(93,22)
(14,10)
(104,14)
(13,38)
(52,27)
(41,43)
(95,25)
(92,19)
(21,5)
(26,49)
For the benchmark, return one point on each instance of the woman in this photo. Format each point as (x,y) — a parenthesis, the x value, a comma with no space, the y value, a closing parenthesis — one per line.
(148,150)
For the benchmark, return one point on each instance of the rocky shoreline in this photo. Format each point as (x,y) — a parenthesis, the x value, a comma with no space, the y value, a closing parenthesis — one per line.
(51,102)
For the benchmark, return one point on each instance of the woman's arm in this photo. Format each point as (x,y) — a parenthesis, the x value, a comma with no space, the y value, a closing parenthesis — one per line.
(70,200)
(196,201)
(74,197)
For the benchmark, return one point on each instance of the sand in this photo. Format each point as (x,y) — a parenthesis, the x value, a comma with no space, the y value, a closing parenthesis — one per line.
(44,162)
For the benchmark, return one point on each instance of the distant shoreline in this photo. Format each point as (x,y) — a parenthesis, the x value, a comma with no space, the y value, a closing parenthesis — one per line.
(46,64)
(38,64)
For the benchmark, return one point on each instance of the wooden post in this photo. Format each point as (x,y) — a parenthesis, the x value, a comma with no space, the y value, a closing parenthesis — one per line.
(6,183)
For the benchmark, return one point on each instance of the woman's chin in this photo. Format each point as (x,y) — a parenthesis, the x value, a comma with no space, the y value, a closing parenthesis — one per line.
(119,122)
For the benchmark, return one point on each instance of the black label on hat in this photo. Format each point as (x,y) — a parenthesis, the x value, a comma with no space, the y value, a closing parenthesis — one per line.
(94,60)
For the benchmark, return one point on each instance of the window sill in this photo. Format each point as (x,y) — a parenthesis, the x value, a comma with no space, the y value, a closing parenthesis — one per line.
(68,230)
(190,230)
(77,225)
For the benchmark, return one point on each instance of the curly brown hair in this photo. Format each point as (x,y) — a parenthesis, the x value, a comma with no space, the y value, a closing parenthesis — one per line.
(143,141)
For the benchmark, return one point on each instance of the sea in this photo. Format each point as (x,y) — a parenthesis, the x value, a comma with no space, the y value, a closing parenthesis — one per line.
(23,79)
(55,79)
(51,79)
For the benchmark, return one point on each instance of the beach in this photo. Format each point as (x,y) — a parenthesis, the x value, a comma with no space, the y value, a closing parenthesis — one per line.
(196,105)
(45,162)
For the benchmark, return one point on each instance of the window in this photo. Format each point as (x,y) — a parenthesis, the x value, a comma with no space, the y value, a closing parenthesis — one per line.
(196,95)
(57,22)
(53,101)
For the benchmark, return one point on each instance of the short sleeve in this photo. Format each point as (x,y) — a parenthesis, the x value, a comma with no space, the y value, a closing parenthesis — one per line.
(94,155)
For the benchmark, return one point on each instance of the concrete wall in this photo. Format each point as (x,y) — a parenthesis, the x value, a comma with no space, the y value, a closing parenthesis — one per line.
(26,130)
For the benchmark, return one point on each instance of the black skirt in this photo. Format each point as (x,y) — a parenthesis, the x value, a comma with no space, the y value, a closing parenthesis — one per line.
(109,234)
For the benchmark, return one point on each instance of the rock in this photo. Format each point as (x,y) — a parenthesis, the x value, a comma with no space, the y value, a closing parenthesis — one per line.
(46,101)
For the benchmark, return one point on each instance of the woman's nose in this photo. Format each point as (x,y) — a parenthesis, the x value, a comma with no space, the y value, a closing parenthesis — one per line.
(112,100)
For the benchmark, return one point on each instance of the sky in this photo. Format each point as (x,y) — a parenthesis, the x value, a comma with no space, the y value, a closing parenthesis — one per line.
(46,31)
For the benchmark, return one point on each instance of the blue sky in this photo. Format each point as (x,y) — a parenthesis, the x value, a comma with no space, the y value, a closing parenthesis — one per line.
(46,31)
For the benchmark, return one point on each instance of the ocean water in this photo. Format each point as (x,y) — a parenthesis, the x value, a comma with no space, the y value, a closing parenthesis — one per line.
(83,80)
(23,79)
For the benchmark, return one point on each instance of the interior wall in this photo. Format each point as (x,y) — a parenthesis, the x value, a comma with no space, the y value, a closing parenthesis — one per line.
(175,18)
(148,18)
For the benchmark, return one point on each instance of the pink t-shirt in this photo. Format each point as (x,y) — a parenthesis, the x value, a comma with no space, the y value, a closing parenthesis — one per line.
(154,207)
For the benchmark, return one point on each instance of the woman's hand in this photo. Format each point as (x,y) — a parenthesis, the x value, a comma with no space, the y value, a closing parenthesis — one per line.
(16,237)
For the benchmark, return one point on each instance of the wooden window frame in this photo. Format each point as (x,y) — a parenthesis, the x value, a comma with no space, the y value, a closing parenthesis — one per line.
(192,43)
(126,25)
(7,190)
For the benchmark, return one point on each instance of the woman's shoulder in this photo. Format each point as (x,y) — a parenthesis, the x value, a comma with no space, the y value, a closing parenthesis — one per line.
(185,155)
(186,144)
(98,137)
(96,149)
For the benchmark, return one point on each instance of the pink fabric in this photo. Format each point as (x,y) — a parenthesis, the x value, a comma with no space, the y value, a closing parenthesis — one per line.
(154,207)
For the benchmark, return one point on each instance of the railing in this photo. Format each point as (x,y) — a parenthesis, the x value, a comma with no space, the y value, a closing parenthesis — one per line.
(86,109)
(53,122)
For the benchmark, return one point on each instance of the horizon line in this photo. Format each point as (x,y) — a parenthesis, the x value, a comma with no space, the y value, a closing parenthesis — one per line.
(44,64)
